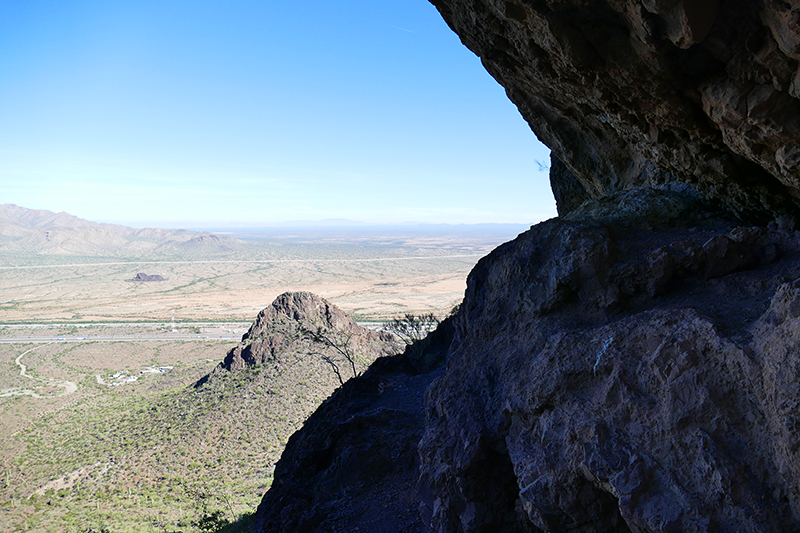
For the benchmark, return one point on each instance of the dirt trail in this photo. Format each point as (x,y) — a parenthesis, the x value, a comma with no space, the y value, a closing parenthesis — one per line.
(69,386)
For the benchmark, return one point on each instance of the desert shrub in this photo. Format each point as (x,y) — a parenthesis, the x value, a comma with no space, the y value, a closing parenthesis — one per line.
(414,331)
(211,521)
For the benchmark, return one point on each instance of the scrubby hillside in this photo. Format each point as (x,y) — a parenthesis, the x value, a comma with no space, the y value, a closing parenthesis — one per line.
(163,460)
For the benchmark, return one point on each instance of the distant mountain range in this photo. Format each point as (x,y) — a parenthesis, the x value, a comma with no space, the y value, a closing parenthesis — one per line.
(45,232)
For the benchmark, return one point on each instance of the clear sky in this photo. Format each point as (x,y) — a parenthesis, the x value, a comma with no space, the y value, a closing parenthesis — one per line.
(197,112)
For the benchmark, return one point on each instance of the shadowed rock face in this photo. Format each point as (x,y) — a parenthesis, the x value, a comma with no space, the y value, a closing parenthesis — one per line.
(629,367)
(353,465)
(666,93)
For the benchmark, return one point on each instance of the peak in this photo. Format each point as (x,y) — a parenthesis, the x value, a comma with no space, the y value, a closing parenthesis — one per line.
(302,307)
(278,329)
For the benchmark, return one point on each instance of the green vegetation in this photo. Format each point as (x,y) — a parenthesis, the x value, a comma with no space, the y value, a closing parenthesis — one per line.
(413,331)
(68,330)
(160,455)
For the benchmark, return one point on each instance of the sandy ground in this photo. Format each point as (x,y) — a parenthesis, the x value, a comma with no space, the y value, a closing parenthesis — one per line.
(368,285)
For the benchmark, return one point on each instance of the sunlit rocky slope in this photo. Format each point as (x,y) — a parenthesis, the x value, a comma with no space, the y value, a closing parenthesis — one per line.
(166,450)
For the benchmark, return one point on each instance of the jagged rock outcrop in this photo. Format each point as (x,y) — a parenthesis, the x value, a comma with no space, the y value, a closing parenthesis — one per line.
(276,377)
(276,331)
(630,367)
(666,93)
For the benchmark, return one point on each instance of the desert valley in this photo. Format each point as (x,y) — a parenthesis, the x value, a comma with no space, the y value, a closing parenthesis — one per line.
(106,330)
(57,268)
(630,365)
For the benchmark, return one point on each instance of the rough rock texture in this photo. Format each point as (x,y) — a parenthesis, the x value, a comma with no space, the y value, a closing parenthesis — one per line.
(275,332)
(629,367)
(667,93)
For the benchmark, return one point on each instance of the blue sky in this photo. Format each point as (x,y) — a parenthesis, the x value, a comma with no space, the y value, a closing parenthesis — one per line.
(189,113)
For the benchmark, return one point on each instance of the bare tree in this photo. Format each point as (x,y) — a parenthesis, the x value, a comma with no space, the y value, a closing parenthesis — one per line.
(337,342)
(413,331)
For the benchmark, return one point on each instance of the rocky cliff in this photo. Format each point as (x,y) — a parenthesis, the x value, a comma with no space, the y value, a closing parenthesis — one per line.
(616,369)
(668,93)
(630,366)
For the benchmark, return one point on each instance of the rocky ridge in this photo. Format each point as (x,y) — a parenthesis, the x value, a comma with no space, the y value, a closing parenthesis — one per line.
(275,378)
(46,233)
(276,334)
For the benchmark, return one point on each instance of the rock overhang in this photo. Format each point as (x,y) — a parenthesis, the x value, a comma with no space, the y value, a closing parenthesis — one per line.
(661,93)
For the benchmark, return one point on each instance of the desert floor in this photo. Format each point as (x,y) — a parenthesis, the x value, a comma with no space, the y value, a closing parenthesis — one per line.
(372,278)
(93,367)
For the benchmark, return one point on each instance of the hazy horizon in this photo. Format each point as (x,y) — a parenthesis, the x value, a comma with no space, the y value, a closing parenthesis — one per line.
(332,224)
(256,114)
(25,224)
(337,224)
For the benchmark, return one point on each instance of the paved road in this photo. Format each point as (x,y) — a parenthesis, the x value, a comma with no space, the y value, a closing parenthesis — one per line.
(249,261)
(162,337)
